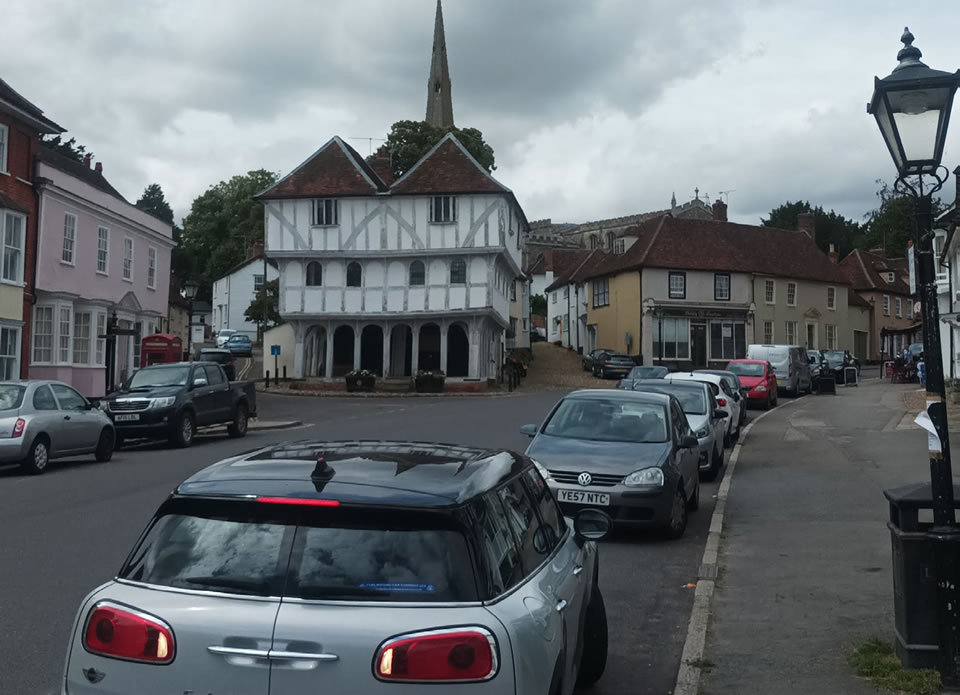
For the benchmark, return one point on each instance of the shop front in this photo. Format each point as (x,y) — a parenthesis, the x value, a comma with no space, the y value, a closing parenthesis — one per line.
(686,338)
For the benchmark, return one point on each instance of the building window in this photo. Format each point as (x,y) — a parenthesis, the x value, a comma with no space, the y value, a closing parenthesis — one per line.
(151,268)
(127,258)
(790,332)
(566,292)
(611,238)
(593,241)
(4,147)
(791,294)
(830,332)
(326,212)
(257,282)
(103,249)
(678,285)
(458,272)
(891,277)
(13,247)
(64,333)
(770,291)
(601,292)
(98,357)
(418,274)
(354,274)
(727,340)
(443,209)
(553,297)
(910,309)
(69,238)
(721,287)
(314,274)
(43,334)
(9,353)
(524,324)
(886,305)
(513,291)
(768,332)
(832,298)
(672,339)
(619,246)
(81,337)
(899,305)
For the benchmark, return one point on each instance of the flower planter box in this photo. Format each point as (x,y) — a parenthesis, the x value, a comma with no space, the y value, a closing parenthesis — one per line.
(429,384)
(360,383)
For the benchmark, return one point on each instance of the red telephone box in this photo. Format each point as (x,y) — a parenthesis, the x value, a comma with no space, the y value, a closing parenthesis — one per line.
(161,348)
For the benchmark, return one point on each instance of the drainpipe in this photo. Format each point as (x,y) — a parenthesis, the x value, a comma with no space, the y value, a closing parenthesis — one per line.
(953,361)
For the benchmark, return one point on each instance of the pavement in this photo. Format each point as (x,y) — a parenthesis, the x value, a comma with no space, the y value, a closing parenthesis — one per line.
(805,558)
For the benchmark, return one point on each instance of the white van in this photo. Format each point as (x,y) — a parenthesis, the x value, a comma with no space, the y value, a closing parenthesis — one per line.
(790,364)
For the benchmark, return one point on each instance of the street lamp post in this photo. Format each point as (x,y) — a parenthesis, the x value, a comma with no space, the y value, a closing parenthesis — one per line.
(912,108)
(190,289)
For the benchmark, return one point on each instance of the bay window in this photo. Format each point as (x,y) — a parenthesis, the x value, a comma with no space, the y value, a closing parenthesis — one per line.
(43,334)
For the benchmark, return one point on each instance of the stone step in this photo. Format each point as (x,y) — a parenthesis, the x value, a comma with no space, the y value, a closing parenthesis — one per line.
(394,385)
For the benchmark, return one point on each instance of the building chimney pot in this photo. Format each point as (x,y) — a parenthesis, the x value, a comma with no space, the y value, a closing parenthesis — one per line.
(86,161)
(98,167)
(833,253)
(805,224)
(719,211)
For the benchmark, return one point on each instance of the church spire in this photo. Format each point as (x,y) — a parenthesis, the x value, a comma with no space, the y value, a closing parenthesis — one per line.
(439,99)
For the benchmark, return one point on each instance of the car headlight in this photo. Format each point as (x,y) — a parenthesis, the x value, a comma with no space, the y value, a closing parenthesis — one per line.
(164,402)
(544,473)
(104,406)
(703,432)
(761,387)
(645,477)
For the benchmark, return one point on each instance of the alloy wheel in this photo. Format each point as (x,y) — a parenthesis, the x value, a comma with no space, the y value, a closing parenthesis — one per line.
(40,456)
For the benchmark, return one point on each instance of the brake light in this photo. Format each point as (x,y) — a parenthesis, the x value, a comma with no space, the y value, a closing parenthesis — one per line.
(721,402)
(301,502)
(449,656)
(119,632)
(18,427)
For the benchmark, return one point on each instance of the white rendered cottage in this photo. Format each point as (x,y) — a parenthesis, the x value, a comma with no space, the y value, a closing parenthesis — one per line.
(395,278)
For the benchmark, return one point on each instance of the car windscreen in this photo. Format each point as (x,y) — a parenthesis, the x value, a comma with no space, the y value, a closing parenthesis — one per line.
(160,376)
(746,369)
(834,356)
(608,420)
(11,396)
(308,552)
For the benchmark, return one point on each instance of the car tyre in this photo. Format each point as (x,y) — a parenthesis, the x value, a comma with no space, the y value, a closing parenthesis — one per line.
(716,463)
(118,442)
(238,428)
(694,503)
(184,431)
(38,458)
(105,446)
(726,439)
(677,523)
(769,402)
(593,659)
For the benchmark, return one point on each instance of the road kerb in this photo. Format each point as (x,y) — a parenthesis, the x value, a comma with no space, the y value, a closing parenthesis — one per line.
(691,661)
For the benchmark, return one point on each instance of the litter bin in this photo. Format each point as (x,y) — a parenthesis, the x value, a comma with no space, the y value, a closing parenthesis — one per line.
(916,624)
(827,384)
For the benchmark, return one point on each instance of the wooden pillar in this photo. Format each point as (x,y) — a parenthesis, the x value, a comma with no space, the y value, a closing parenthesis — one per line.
(386,349)
(328,354)
(357,335)
(444,328)
(415,346)
(475,352)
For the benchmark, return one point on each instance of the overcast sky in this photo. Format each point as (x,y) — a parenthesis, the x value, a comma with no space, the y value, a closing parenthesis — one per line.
(595,108)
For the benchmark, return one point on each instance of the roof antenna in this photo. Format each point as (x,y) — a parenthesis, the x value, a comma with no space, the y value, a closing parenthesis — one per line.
(726,194)
(369,142)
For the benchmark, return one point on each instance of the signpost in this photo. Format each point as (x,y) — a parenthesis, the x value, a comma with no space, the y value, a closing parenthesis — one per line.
(275,351)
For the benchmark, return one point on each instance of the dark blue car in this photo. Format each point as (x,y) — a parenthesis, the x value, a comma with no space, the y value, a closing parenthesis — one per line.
(239,344)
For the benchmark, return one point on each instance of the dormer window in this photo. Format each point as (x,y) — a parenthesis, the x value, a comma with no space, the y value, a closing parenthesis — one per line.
(891,277)
(443,209)
(326,212)
(619,245)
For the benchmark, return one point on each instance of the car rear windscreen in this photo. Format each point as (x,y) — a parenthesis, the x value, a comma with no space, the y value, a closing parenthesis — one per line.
(352,554)
(11,396)
(218,357)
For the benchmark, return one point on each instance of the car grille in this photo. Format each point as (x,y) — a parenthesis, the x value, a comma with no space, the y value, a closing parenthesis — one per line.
(746,389)
(128,406)
(599,479)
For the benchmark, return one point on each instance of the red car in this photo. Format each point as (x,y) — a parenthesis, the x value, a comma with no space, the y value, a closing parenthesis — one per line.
(758,381)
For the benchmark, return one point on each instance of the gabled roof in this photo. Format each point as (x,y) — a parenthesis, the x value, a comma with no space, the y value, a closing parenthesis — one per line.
(447,168)
(854,299)
(336,169)
(78,170)
(692,244)
(243,264)
(574,265)
(16,103)
(866,272)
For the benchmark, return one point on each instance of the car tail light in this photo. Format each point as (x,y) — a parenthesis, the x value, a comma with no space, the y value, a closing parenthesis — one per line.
(120,632)
(448,656)
(299,501)
(18,427)
(721,402)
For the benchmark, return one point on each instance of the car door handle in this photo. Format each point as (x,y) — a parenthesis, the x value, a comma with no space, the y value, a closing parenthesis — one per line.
(561,604)
(578,570)
(237,651)
(301,656)
(66,417)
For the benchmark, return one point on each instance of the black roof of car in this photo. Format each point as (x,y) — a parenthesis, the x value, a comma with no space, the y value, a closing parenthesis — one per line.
(385,473)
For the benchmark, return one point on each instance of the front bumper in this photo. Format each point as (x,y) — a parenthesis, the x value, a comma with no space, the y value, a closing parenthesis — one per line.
(639,507)
(13,449)
(705,449)
(754,396)
(153,423)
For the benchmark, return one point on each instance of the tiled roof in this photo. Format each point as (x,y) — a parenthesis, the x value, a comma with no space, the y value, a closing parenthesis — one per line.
(336,169)
(854,299)
(570,264)
(12,97)
(8,203)
(863,270)
(692,244)
(78,170)
(538,321)
(447,168)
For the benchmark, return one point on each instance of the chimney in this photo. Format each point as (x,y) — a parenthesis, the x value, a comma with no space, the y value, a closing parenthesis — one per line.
(805,224)
(98,167)
(833,253)
(382,164)
(255,249)
(719,211)
(86,161)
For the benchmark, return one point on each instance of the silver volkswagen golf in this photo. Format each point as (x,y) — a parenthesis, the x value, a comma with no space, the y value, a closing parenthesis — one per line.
(351,567)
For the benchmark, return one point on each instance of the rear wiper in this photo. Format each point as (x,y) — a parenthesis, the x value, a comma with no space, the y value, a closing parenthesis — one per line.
(320,591)
(240,583)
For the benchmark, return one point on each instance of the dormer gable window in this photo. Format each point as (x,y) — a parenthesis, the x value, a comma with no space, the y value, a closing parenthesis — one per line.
(326,212)
(891,277)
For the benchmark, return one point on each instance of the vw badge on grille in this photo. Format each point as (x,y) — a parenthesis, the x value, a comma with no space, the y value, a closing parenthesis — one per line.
(584,479)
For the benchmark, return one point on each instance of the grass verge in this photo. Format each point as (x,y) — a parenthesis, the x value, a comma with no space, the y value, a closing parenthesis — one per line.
(876,661)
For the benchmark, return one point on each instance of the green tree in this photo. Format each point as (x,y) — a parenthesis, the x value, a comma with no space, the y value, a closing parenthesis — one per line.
(68,148)
(891,225)
(829,227)
(223,223)
(155,203)
(408,141)
(267,298)
(538,305)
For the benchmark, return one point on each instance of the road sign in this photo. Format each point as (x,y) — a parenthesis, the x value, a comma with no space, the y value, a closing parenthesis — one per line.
(274,349)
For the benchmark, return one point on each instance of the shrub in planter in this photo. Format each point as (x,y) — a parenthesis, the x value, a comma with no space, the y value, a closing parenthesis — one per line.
(429,382)
(360,380)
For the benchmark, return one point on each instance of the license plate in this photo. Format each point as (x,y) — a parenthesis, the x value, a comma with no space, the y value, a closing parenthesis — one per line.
(583,497)
(126,418)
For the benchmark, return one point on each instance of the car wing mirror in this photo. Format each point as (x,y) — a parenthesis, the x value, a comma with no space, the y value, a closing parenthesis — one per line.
(592,525)
(688,442)
(720,414)
(199,381)
(529,430)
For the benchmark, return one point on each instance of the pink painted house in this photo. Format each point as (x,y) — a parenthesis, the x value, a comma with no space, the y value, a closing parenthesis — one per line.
(97,254)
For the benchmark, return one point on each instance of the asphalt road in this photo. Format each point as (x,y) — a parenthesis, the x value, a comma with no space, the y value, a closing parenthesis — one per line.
(67,531)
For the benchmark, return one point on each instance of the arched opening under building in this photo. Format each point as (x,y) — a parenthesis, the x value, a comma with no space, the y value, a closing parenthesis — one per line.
(315,351)
(371,349)
(401,351)
(429,354)
(458,351)
(342,350)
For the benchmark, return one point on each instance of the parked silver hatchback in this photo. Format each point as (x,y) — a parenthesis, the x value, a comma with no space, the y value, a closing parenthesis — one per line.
(351,567)
(45,420)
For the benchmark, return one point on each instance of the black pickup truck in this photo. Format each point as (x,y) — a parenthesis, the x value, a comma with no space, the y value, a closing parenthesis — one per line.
(170,401)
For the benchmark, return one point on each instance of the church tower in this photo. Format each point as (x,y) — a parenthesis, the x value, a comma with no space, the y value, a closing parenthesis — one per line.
(439,100)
